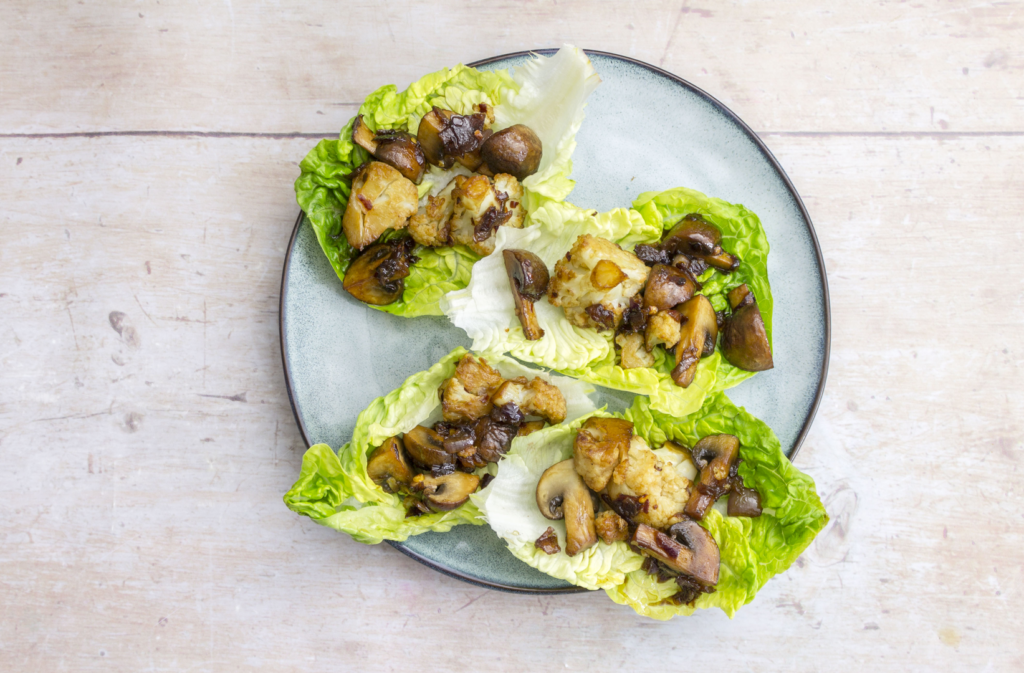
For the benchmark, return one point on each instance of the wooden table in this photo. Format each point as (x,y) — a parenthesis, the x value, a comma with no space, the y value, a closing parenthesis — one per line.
(147,153)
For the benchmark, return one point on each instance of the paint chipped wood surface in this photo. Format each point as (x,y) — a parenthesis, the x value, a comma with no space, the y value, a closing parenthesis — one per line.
(146,159)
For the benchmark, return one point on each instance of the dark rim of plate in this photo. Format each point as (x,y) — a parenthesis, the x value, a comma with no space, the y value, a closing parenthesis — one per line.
(778,169)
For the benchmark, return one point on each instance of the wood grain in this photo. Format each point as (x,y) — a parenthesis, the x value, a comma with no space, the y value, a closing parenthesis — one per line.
(145,430)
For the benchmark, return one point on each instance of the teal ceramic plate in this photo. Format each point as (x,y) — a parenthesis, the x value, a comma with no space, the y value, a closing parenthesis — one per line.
(645,130)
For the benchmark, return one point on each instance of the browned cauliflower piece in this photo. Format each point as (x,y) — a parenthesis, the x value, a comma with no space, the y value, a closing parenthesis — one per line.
(430,225)
(662,328)
(467,395)
(481,207)
(535,397)
(633,352)
(660,488)
(611,527)
(381,199)
(599,446)
(595,281)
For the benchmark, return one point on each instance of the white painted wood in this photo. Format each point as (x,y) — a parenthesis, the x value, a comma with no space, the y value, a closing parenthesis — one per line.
(141,526)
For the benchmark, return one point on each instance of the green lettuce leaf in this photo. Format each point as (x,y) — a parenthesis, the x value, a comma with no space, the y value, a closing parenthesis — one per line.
(486,311)
(335,490)
(752,550)
(547,93)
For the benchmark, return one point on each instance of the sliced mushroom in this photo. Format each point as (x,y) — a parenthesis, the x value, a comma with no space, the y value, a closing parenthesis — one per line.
(493,439)
(687,549)
(744,338)
(426,448)
(696,338)
(667,287)
(376,276)
(561,494)
(402,152)
(446,137)
(445,493)
(744,501)
(429,136)
(528,277)
(363,136)
(516,150)
(714,456)
(599,447)
(387,466)
(696,237)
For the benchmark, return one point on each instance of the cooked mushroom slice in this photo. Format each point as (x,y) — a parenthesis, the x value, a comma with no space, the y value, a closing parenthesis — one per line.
(633,352)
(381,199)
(429,136)
(536,397)
(446,492)
(530,427)
(387,467)
(744,501)
(402,152)
(516,150)
(696,237)
(363,136)
(599,447)
(611,527)
(713,455)
(744,338)
(376,276)
(426,448)
(493,439)
(688,549)
(663,329)
(699,329)
(528,277)
(548,542)
(667,287)
(561,494)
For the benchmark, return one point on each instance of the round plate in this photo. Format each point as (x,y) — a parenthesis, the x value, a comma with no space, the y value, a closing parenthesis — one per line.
(645,130)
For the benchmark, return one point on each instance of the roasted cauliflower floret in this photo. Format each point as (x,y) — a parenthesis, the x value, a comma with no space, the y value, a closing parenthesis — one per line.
(611,527)
(481,207)
(662,491)
(633,352)
(662,328)
(381,199)
(467,395)
(595,281)
(599,446)
(535,397)
(430,226)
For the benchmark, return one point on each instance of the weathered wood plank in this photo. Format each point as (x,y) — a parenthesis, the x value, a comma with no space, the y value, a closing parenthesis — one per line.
(301,66)
(141,519)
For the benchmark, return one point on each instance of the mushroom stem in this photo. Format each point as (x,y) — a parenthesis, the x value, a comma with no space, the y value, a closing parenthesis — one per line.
(561,494)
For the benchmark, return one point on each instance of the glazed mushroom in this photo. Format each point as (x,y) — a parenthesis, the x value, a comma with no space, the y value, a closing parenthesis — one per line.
(395,148)
(599,447)
(696,338)
(446,492)
(516,150)
(429,136)
(714,456)
(426,448)
(667,287)
(446,137)
(744,338)
(493,438)
(744,501)
(696,237)
(387,466)
(561,494)
(687,549)
(376,276)
(528,277)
